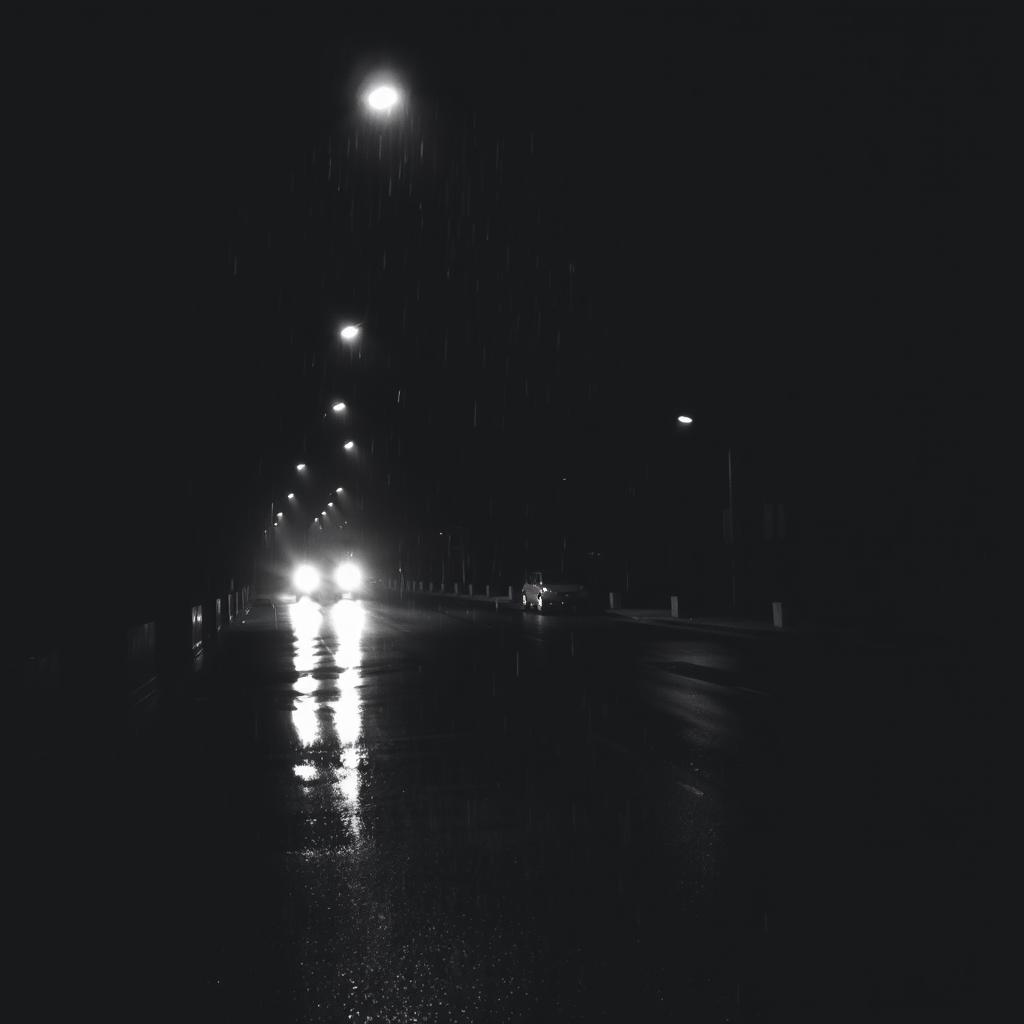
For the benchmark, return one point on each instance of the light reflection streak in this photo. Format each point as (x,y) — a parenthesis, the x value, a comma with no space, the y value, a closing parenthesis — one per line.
(307,620)
(327,714)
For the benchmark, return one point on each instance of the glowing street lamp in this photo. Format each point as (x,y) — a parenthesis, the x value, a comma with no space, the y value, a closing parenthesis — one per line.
(382,98)
(349,332)
(338,407)
(685,419)
(291,495)
(349,445)
(300,466)
(338,490)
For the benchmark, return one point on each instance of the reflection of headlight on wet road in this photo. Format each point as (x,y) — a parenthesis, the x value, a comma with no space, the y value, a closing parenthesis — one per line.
(349,576)
(306,579)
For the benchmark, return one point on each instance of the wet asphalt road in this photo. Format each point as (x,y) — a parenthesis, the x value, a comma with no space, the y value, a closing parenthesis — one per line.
(392,811)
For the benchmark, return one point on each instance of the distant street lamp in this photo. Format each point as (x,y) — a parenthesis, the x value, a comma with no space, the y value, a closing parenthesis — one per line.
(349,445)
(338,407)
(349,332)
(300,466)
(291,495)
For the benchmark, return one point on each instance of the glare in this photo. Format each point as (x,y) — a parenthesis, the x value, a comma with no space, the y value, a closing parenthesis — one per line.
(306,579)
(338,406)
(280,515)
(349,576)
(347,619)
(349,332)
(349,445)
(337,490)
(300,466)
(383,98)
(685,419)
(306,721)
(291,496)
(330,504)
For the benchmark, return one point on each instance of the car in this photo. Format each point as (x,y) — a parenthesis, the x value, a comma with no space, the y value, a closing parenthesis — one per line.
(546,591)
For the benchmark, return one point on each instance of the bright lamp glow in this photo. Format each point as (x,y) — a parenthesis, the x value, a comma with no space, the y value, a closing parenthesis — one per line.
(349,445)
(685,419)
(338,406)
(300,466)
(291,495)
(349,332)
(337,490)
(349,576)
(306,579)
(382,98)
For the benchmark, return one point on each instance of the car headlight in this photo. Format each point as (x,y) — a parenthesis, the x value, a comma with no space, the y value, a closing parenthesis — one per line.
(349,576)
(306,579)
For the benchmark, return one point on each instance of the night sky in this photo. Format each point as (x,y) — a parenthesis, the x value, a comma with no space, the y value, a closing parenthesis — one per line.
(578,227)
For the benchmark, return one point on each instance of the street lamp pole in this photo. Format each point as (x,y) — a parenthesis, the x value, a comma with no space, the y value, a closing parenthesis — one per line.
(732,531)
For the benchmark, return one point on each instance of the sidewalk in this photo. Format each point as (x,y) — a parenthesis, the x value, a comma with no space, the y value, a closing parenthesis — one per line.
(724,626)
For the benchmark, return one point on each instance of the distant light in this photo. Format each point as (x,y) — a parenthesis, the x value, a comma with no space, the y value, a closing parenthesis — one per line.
(337,490)
(349,332)
(291,495)
(349,445)
(338,406)
(685,419)
(330,504)
(280,515)
(383,98)
(300,466)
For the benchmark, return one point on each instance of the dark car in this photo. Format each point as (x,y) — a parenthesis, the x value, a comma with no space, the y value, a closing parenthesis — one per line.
(545,591)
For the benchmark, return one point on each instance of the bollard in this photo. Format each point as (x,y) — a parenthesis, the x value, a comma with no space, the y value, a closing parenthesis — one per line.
(430,587)
(471,590)
(777,614)
(487,590)
(674,601)
(455,588)
(510,593)
(614,600)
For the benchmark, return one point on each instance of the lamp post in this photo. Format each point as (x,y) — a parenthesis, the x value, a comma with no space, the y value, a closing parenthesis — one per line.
(731,521)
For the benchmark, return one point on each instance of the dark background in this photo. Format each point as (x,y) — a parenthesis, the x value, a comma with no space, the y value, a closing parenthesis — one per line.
(780,221)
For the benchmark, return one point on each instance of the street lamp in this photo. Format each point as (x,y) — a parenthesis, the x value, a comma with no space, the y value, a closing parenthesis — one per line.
(687,421)
(349,332)
(382,98)
(300,466)
(338,407)
(349,445)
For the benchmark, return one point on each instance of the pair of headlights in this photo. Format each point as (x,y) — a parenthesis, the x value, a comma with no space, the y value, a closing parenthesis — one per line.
(347,576)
